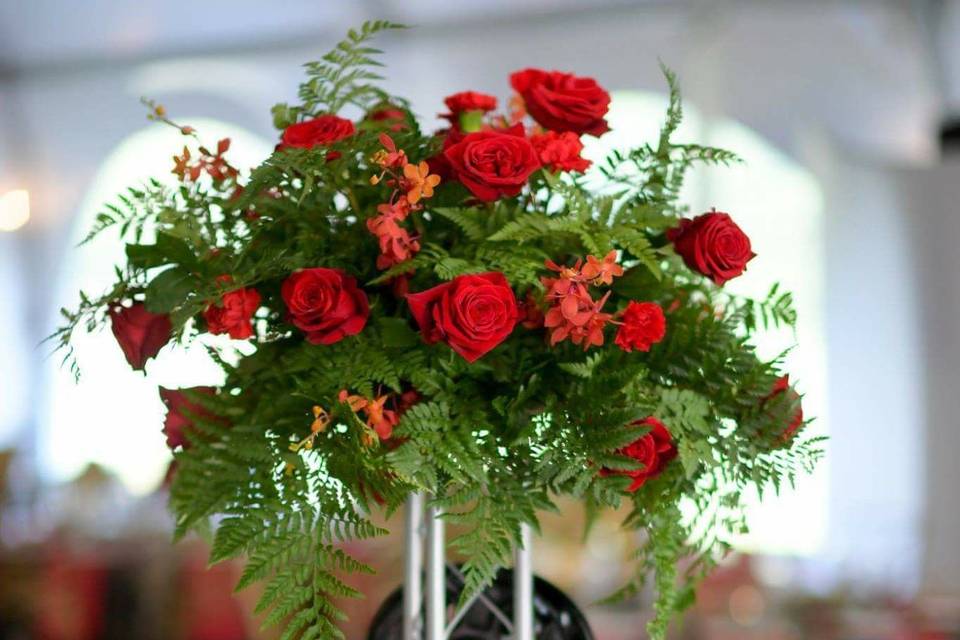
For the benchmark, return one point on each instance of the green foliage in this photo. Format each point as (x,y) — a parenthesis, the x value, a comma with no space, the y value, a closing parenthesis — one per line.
(344,76)
(493,442)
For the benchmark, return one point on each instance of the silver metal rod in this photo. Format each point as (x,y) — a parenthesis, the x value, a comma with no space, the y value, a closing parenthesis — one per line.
(413,568)
(436,619)
(452,625)
(487,602)
(523,587)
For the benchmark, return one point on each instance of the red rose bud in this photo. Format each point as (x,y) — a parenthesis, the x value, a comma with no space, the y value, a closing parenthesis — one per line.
(407,399)
(395,119)
(325,304)
(493,164)
(471,313)
(234,313)
(467,109)
(654,449)
(531,313)
(780,387)
(141,334)
(712,244)
(560,151)
(562,101)
(643,326)
(181,412)
(318,132)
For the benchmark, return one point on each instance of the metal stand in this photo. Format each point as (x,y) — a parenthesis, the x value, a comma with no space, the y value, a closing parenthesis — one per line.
(412,565)
(435,626)
(523,587)
(436,577)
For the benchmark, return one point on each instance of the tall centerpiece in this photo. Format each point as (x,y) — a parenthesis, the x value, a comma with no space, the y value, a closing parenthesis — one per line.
(456,313)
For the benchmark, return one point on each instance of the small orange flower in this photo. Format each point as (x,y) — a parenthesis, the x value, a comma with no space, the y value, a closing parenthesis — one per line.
(602,271)
(389,157)
(355,402)
(420,182)
(517,109)
(380,420)
(181,164)
(321,420)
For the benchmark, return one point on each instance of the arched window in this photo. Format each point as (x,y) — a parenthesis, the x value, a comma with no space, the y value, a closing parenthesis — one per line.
(779,205)
(113,417)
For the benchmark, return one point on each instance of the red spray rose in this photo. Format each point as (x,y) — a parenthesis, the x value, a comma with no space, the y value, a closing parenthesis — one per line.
(654,449)
(712,244)
(181,412)
(493,164)
(320,131)
(643,326)
(560,151)
(325,304)
(780,387)
(234,313)
(470,101)
(562,101)
(471,313)
(141,334)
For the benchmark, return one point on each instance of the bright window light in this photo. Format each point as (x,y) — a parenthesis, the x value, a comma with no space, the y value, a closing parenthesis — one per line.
(14,209)
(114,416)
(779,204)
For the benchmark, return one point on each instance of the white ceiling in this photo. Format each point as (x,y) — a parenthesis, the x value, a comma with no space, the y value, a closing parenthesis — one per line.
(36,32)
(875,73)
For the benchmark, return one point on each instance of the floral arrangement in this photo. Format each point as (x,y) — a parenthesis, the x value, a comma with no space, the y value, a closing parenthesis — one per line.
(457,313)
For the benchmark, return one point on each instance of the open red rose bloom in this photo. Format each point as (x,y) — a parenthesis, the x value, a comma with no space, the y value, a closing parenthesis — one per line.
(471,313)
(653,450)
(458,312)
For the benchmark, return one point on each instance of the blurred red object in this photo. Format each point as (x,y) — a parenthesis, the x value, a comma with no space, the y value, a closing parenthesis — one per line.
(208,610)
(70,602)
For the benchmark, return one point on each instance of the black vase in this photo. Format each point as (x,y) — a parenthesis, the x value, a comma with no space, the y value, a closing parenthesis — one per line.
(556,617)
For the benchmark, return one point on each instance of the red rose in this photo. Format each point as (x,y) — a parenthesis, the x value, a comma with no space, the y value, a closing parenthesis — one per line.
(233,314)
(469,101)
(325,304)
(141,334)
(471,313)
(643,326)
(712,244)
(562,101)
(654,450)
(560,151)
(782,386)
(321,131)
(181,412)
(493,164)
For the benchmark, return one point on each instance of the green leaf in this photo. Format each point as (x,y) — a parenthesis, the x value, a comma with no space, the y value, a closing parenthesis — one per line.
(168,290)
(636,283)
(396,332)
(168,249)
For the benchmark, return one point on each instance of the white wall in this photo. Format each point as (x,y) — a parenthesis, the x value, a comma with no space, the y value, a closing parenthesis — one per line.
(929,200)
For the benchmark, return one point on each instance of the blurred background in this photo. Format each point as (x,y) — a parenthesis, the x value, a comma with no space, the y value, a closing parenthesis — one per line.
(845,114)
